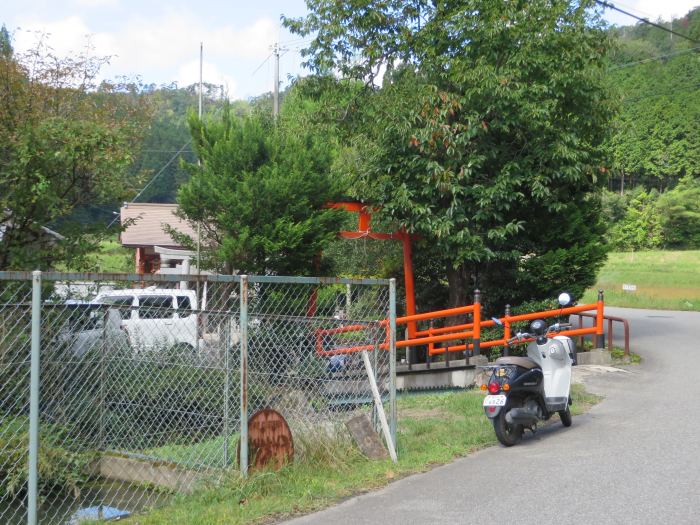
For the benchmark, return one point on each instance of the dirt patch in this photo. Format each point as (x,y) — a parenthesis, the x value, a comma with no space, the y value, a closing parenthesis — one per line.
(582,372)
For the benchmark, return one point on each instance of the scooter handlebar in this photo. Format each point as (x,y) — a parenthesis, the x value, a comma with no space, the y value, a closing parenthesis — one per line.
(518,337)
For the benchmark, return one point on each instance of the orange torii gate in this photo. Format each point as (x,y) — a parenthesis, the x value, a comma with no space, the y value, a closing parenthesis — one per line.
(364,230)
(431,335)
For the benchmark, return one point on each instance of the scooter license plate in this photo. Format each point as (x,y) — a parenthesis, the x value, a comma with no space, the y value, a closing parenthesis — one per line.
(495,401)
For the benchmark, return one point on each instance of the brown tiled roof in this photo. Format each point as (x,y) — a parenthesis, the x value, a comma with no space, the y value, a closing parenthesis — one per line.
(148,228)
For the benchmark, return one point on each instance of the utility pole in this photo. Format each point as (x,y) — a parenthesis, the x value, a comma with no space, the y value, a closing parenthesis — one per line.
(277,50)
(199,163)
(276,89)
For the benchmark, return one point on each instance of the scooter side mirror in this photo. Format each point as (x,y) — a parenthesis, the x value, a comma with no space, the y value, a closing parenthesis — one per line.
(565,299)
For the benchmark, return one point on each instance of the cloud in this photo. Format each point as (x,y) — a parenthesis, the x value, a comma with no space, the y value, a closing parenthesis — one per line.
(95,3)
(165,47)
(175,37)
(65,36)
(653,9)
(188,74)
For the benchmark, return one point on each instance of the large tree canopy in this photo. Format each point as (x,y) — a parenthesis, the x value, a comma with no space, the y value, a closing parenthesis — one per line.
(485,137)
(64,142)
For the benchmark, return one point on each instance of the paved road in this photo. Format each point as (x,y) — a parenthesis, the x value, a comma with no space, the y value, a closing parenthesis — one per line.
(634,458)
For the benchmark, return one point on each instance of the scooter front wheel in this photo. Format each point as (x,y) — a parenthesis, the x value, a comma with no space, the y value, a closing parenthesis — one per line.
(565,416)
(508,434)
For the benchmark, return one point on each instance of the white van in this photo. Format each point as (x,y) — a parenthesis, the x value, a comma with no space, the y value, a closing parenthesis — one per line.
(156,318)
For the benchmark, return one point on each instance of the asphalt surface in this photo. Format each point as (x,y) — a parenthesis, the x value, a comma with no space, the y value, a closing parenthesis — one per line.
(634,458)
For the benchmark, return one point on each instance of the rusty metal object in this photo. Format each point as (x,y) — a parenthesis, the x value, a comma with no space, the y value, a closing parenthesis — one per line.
(270,442)
(610,319)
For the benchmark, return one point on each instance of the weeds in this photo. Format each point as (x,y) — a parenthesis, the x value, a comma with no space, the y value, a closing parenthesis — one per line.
(433,429)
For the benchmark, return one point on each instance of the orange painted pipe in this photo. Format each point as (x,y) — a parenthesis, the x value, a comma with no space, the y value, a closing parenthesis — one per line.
(434,339)
(435,314)
(502,342)
(552,313)
(342,329)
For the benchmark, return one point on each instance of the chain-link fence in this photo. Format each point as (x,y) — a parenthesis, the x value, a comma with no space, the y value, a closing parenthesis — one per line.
(117,391)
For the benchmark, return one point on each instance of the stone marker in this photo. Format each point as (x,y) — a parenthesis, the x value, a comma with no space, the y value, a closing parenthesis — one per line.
(366,438)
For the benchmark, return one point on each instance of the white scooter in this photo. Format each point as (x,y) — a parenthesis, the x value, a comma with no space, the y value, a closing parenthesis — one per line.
(525,390)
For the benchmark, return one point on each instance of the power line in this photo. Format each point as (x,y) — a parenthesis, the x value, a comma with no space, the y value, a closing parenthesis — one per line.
(297,41)
(644,20)
(261,65)
(675,91)
(651,59)
(631,8)
(155,177)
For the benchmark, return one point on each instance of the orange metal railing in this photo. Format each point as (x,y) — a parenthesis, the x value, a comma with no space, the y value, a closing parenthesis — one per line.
(466,331)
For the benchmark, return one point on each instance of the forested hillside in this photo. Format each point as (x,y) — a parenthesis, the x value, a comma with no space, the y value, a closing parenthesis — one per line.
(654,152)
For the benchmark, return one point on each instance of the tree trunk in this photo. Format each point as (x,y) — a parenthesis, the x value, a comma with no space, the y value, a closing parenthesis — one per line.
(459,282)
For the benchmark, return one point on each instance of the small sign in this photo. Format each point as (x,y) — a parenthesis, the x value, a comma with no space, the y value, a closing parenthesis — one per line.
(629,287)
(269,440)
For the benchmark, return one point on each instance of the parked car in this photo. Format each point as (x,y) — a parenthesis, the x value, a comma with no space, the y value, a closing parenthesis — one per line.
(156,318)
(87,327)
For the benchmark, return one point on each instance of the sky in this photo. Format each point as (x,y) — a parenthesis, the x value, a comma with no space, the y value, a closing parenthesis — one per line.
(159,40)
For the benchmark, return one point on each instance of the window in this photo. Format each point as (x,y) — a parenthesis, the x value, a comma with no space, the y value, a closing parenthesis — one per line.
(123,304)
(183,305)
(156,307)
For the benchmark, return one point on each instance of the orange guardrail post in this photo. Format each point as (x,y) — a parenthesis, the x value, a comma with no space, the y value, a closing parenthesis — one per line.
(408,282)
(477,322)
(431,345)
(599,338)
(506,331)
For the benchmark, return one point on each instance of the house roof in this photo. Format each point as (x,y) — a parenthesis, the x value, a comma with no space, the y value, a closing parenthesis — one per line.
(148,228)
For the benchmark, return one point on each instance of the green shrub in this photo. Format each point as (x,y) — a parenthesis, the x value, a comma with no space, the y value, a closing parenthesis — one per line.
(679,210)
(60,469)
(641,227)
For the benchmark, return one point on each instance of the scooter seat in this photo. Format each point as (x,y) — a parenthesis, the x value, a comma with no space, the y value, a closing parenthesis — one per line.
(524,362)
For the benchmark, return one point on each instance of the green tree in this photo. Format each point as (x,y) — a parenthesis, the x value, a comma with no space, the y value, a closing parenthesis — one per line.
(65,141)
(259,194)
(6,50)
(679,211)
(485,137)
(641,227)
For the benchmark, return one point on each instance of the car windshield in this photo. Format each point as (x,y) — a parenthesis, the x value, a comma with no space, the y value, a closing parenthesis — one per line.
(81,317)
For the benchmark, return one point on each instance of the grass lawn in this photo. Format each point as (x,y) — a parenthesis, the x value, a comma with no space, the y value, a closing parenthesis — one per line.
(665,280)
(115,258)
(433,429)
(112,257)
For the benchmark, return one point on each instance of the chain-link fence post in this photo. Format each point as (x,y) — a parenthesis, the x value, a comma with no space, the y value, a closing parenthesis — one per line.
(33,496)
(227,384)
(102,401)
(244,374)
(392,361)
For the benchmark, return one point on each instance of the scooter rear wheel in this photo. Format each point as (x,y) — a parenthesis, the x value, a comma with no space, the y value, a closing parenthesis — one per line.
(508,434)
